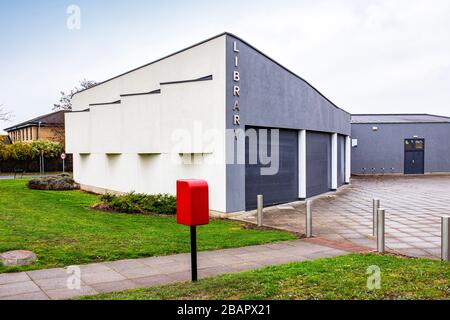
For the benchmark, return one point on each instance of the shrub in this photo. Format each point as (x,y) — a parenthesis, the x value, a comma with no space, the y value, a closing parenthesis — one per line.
(59,182)
(139,203)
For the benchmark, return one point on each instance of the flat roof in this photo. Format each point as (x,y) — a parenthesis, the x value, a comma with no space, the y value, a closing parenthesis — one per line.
(399,118)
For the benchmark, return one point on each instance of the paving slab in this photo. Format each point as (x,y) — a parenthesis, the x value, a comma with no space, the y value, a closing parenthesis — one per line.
(28,296)
(7,278)
(101,276)
(152,281)
(61,294)
(140,272)
(17,288)
(107,287)
(47,273)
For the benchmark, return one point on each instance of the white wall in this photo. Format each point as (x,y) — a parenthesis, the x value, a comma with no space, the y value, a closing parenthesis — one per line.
(144,110)
(136,145)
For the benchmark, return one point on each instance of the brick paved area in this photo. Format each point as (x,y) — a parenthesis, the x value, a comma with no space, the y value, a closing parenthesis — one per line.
(148,272)
(414,205)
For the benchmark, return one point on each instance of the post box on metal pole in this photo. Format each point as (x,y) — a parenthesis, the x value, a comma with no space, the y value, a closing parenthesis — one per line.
(192,211)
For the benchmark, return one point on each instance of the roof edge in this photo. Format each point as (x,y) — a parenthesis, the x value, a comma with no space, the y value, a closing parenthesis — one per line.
(286,69)
(398,114)
(210,39)
(155,61)
(34,120)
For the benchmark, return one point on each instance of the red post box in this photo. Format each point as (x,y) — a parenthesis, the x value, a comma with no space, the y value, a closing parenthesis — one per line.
(192,202)
(192,211)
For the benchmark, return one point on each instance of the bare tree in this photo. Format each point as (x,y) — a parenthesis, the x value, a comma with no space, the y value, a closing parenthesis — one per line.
(4,114)
(65,102)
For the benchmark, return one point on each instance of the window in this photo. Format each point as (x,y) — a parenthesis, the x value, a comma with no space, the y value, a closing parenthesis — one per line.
(419,144)
(414,144)
(409,144)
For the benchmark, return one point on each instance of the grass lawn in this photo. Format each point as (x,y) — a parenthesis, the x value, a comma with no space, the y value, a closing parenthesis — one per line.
(62,230)
(336,278)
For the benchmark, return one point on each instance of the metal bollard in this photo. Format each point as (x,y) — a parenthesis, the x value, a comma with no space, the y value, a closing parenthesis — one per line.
(376,206)
(445,246)
(381,245)
(308,219)
(260,203)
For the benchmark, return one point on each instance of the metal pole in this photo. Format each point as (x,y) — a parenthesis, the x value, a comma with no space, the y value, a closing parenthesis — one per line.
(376,206)
(260,204)
(381,245)
(43,162)
(445,246)
(308,219)
(64,166)
(194,253)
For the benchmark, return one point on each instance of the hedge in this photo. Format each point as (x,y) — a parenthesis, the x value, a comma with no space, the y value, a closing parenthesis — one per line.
(138,203)
(30,150)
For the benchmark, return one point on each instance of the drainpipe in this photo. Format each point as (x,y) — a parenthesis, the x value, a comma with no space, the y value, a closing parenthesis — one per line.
(39,130)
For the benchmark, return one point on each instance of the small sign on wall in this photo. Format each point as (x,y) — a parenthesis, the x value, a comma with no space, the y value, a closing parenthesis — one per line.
(354,143)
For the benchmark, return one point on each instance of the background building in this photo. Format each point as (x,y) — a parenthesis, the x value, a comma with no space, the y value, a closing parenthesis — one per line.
(47,127)
(400,143)
(182,117)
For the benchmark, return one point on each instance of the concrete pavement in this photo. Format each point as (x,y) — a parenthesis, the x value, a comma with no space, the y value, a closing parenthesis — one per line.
(147,272)
(414,206)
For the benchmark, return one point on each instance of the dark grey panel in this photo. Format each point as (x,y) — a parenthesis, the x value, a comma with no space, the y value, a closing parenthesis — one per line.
(270,96)
(318,163)
(341,160)
(281,187)
(384,149)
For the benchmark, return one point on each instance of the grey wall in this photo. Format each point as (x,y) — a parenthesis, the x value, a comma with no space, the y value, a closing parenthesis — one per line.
(271,96)
(385,148)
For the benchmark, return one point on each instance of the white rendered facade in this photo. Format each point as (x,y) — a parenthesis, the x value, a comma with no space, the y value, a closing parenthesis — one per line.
(148,141)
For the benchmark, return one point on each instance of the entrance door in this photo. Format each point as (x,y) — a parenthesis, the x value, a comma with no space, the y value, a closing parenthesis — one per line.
(414,156)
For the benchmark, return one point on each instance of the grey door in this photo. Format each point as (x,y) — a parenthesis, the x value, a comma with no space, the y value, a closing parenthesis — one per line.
(281,187)
(318,163)
(414,156)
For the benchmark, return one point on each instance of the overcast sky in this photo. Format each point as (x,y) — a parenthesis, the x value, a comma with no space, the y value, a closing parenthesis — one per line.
(369,56)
